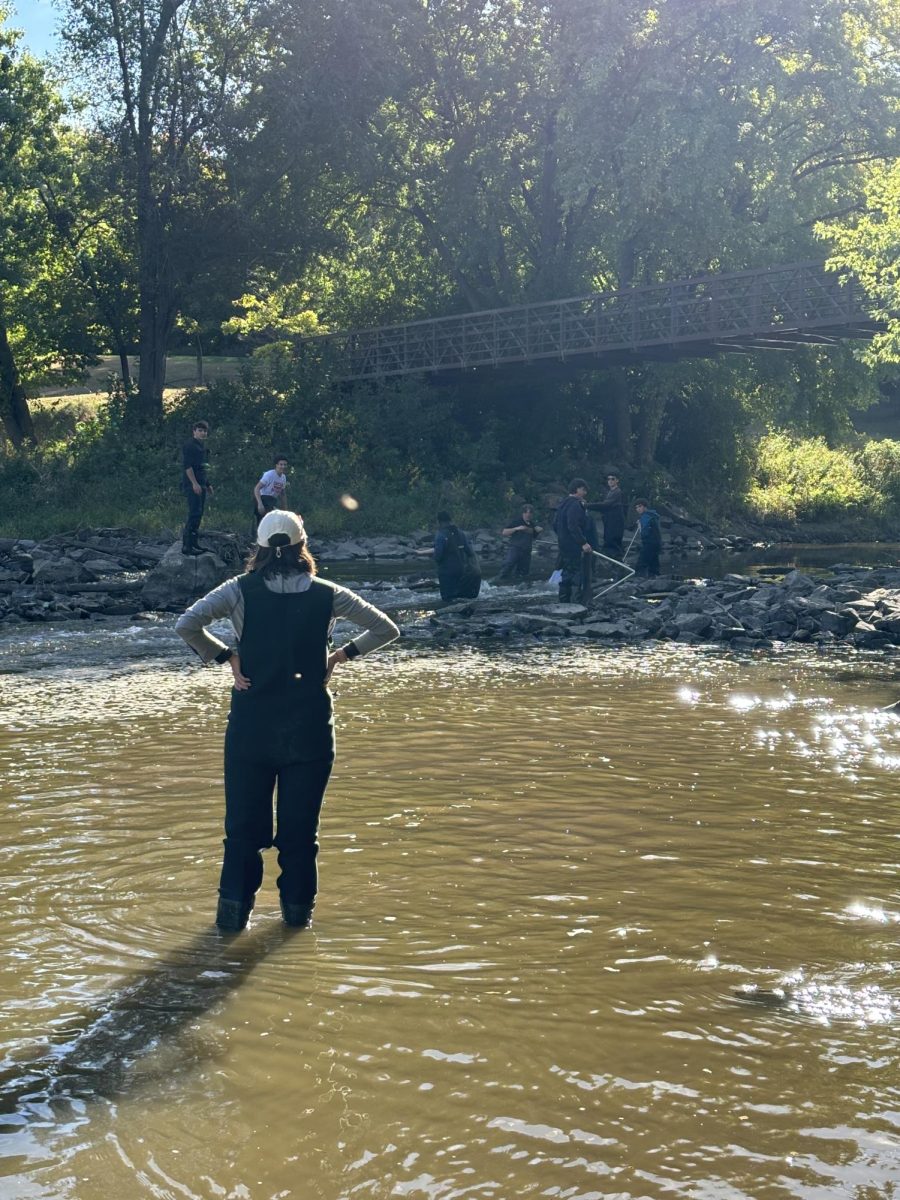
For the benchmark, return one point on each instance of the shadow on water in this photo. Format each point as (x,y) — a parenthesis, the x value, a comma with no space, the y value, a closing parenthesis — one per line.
(99,1061)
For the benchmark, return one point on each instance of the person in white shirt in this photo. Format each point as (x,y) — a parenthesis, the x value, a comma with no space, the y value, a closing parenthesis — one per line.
(269,492)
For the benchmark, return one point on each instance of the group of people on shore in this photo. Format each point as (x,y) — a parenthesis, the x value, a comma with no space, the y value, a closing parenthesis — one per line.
(279,740)
(459,573)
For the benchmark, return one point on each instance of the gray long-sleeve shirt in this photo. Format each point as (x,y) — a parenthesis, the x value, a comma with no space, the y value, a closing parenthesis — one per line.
(226,602)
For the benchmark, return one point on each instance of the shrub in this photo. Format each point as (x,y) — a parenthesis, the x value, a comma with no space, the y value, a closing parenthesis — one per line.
(879,469)
(805,479)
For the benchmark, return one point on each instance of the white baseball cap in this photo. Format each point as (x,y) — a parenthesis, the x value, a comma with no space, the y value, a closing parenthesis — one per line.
(286,528)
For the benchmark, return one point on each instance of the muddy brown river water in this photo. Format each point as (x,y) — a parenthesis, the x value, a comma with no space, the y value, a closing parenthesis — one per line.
(544,873)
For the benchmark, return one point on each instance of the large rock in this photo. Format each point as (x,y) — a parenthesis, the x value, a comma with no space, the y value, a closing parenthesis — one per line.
(693,623)
(179,579)
(798,582)
(48,571)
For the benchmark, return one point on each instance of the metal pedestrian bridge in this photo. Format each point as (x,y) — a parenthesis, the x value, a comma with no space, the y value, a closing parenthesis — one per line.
(770,308)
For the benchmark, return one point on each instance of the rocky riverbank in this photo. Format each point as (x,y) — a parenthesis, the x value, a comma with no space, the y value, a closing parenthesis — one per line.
(97,573)
(853,606)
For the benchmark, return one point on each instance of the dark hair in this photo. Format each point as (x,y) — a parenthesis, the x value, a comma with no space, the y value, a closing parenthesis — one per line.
(643,503)
(444,518)
(611,475)
(292,560)
(528,506)
(200,425)
(577,483)
(279,458)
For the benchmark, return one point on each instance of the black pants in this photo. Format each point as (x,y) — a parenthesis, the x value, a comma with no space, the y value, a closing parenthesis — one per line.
(613,548)
(268,503)
(250,785)
(517,563)
(576,576)
(195,506)
(648,561)
(459,585)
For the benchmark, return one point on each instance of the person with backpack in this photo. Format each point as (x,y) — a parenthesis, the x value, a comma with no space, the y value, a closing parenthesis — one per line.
(651,539)
(459,575)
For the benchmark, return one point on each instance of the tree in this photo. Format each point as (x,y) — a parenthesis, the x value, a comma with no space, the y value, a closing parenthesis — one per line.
(30,111)
(868,249)
(170,69)
(544,149)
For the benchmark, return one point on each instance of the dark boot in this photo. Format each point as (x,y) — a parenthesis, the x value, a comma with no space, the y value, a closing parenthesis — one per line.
(232,915)
(297,915)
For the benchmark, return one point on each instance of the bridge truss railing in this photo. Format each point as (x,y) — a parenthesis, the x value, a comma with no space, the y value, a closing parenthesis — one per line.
(769,302)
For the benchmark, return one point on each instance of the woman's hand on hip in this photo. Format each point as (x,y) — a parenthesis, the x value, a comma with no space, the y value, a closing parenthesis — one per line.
(241,682)
(335,657)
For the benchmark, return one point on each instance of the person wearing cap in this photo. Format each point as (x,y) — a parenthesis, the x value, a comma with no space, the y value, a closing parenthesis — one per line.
(281,725)
(612,510)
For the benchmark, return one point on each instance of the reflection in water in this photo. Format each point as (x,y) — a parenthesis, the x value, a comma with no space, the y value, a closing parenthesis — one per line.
(105,1045)
(544,875)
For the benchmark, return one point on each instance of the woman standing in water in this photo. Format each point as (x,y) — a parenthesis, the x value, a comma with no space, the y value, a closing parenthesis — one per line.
(281,724)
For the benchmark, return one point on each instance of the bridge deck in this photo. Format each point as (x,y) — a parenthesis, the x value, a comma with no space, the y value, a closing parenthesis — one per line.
(772,307)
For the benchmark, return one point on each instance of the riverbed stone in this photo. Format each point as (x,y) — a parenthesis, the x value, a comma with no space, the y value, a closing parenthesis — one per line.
(179,579)
(571,611)
(837,623)
(60,570)
(797,581)
(692,623)
(866,635)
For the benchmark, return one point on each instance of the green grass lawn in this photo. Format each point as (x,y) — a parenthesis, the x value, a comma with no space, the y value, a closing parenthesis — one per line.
(181,372)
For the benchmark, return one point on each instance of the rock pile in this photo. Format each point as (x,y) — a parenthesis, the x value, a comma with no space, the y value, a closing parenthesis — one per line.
(91,573)
(97,573)
(108,572)
(855,606)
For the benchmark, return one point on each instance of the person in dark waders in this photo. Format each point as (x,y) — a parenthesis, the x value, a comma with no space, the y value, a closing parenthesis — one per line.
(576,533)
(281,724)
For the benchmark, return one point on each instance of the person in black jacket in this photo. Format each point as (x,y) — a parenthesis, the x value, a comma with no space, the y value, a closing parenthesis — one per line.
(651,539)
(612,510)
(573,532)
(459,575)
(195,485)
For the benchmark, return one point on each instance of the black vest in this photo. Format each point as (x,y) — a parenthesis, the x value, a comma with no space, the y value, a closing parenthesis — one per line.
(286,715)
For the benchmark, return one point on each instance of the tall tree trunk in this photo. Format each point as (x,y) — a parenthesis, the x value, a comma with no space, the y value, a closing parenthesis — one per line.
(617,429)
(154,298)
(649,421)
(124,364)
(14,410)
